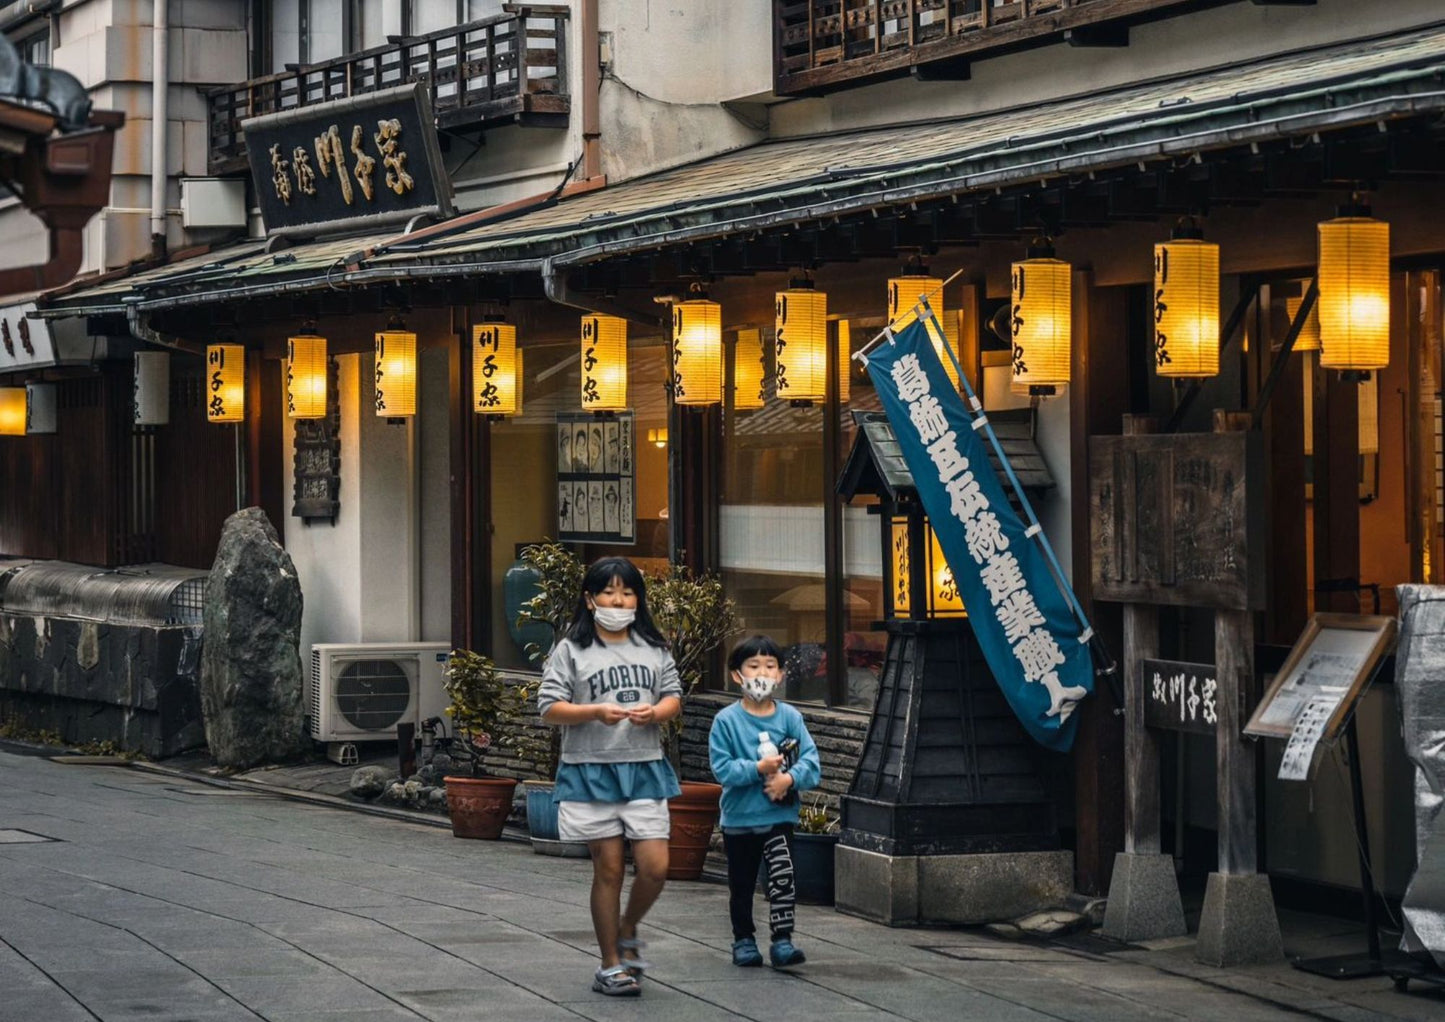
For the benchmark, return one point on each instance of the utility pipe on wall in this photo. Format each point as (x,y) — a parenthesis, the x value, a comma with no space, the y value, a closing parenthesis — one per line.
(591,85)
(160,96)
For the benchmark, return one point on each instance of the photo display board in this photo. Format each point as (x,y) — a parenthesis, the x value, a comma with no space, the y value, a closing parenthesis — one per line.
(596,478)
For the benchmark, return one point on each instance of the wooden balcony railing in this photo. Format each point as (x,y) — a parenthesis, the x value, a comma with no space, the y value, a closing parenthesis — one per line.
(821,45)
(512,66)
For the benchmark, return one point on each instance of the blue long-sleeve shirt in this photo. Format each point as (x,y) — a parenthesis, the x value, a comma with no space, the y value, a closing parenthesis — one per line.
(733,750)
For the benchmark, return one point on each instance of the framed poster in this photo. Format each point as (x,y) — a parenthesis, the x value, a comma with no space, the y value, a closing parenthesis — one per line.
(1326,672)
(595,478)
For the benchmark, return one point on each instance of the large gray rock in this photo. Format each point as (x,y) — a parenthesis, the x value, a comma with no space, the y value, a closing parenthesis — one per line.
(251,695)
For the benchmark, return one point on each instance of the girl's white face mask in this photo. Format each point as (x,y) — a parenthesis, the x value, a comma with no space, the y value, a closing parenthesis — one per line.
(613,619)
(759,688)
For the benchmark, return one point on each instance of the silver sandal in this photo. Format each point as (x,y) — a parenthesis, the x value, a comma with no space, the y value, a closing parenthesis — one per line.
(616,982)
(635,964)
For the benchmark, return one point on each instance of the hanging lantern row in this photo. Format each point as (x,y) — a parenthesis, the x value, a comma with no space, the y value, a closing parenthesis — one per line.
(800,343)
(395,371)
(1354,291)
(905,292)
(12,411)
(749,370)
(151,389)
(496,369)
(225,383)
(1041,320)
(604,363)
(306,376)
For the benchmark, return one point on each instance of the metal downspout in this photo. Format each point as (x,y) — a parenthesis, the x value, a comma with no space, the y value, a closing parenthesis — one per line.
(591,88)
(160,99)
(554,283)
(141,329)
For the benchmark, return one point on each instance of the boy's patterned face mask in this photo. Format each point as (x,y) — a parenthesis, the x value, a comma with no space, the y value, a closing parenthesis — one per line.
(759,688)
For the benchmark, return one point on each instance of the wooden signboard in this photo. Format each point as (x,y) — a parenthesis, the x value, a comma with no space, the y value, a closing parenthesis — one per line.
(1180,696)
(1175,521)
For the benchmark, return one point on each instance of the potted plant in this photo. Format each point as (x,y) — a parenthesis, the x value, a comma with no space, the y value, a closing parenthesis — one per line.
(814,841)
(484,712)
(554,575)
(696,617)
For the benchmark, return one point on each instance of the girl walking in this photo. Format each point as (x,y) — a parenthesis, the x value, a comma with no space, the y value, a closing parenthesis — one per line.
(608,684)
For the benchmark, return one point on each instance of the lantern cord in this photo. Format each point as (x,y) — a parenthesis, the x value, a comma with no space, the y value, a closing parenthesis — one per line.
(1104,664)
(861,354)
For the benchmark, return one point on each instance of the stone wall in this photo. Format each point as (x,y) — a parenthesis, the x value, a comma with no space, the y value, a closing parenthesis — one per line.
(137,686)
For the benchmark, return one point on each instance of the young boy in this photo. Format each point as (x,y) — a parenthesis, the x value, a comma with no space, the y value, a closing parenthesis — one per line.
(759,800)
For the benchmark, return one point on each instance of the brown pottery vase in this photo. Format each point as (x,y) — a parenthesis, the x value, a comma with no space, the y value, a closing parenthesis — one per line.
(479,806)
(694,814)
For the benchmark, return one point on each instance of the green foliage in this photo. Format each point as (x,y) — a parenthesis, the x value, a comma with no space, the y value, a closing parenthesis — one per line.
(814,818)
(561,574)
(486,710)
(695,615)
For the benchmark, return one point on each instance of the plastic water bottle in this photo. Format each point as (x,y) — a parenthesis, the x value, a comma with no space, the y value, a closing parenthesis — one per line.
(766,748)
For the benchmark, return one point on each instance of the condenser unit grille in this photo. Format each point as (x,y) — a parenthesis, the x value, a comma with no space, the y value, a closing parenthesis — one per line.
(372,695)
(317,683)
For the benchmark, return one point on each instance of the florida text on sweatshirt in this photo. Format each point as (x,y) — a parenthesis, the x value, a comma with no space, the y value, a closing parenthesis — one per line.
(629,673)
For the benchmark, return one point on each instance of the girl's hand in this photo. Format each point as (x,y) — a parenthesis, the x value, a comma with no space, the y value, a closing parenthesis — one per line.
(644,714)
(609,713)
(776,787)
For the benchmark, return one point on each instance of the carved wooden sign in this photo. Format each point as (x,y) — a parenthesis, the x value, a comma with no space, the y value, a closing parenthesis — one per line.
(317,469)
(1178,519)
(1180,696)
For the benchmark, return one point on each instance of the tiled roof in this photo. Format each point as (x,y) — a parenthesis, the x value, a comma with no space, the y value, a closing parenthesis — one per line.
(801,179)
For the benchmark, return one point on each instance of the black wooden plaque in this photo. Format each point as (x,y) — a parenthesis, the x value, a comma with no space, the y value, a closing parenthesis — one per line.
(316,473)
(1180,696)
(1178,519)
(348,163)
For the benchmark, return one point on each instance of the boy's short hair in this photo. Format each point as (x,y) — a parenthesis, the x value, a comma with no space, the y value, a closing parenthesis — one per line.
(754,645)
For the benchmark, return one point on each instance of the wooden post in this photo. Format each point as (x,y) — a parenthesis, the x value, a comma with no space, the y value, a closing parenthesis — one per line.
(1141,747)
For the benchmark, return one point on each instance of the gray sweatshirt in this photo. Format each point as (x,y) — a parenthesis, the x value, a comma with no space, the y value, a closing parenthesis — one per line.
(628,673)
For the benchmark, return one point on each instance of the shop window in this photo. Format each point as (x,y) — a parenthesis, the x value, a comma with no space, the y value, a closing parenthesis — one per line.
(526,452)
(35,48)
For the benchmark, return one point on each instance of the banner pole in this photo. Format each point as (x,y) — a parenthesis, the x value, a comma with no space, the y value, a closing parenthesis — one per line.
(1035,530)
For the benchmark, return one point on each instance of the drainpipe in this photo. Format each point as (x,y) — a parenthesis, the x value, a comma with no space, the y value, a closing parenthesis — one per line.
(140,327)
(160,96)
(591,86)
(554,283)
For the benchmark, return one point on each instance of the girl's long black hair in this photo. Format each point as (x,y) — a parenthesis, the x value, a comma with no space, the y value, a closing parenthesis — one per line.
(581,629)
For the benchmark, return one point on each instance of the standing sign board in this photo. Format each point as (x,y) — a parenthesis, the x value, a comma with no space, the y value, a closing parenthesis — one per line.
(596,478)
(1180,696)
(354,162)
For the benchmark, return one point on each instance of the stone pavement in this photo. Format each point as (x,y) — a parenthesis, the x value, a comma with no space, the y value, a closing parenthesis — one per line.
(134,894)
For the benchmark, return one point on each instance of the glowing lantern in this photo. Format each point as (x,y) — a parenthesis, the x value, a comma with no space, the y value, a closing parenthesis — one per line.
(911,540)
(604,364)
(657,437)
(1369,412)
(306,376)
(39,408)
(152,388)
(904,293)
(697,352)
(749,367)
(521,378)
(1041,314)
(225,383)
(496,365)
(1186,306)
(1354,284)
(1309,335)
(395,371)
(801,344)
(845,361)
(12,411)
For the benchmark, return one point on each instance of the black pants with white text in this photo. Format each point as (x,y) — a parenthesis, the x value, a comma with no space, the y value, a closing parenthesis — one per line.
(746,852)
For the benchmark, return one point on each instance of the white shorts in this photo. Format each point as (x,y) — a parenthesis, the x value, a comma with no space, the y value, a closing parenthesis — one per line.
(642,819)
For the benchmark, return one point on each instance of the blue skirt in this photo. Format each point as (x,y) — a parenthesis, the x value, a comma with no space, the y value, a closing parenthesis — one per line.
(615,782)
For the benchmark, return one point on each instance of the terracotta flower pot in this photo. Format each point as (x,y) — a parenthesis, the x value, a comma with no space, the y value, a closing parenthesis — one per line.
(694,814)
(479,806)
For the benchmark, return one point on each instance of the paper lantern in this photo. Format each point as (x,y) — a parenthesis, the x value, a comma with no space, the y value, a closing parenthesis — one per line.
(697,352)
(152,388)
(900,570)
(604,364)
(943,596)
(749,369)
(1369,414)
(12,411)
(1041,314)
(1186,307)
(395,371)
(306,377)
(657,437)
(904,293)
(1309,335)
(495,368)
(845,361)
(911,536)
(801,343)
(1354,285)
(225,383)
(40,408)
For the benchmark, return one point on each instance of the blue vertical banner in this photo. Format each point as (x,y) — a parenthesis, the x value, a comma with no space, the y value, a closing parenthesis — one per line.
(1026,627)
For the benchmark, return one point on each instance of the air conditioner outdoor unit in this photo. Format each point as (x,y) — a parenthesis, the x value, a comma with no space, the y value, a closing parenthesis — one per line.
(362,691)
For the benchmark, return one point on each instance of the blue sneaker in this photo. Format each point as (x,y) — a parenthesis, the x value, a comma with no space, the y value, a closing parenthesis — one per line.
(782,954)
(745,952)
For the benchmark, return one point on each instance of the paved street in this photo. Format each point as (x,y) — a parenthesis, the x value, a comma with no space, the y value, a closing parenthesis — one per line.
(162,898)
